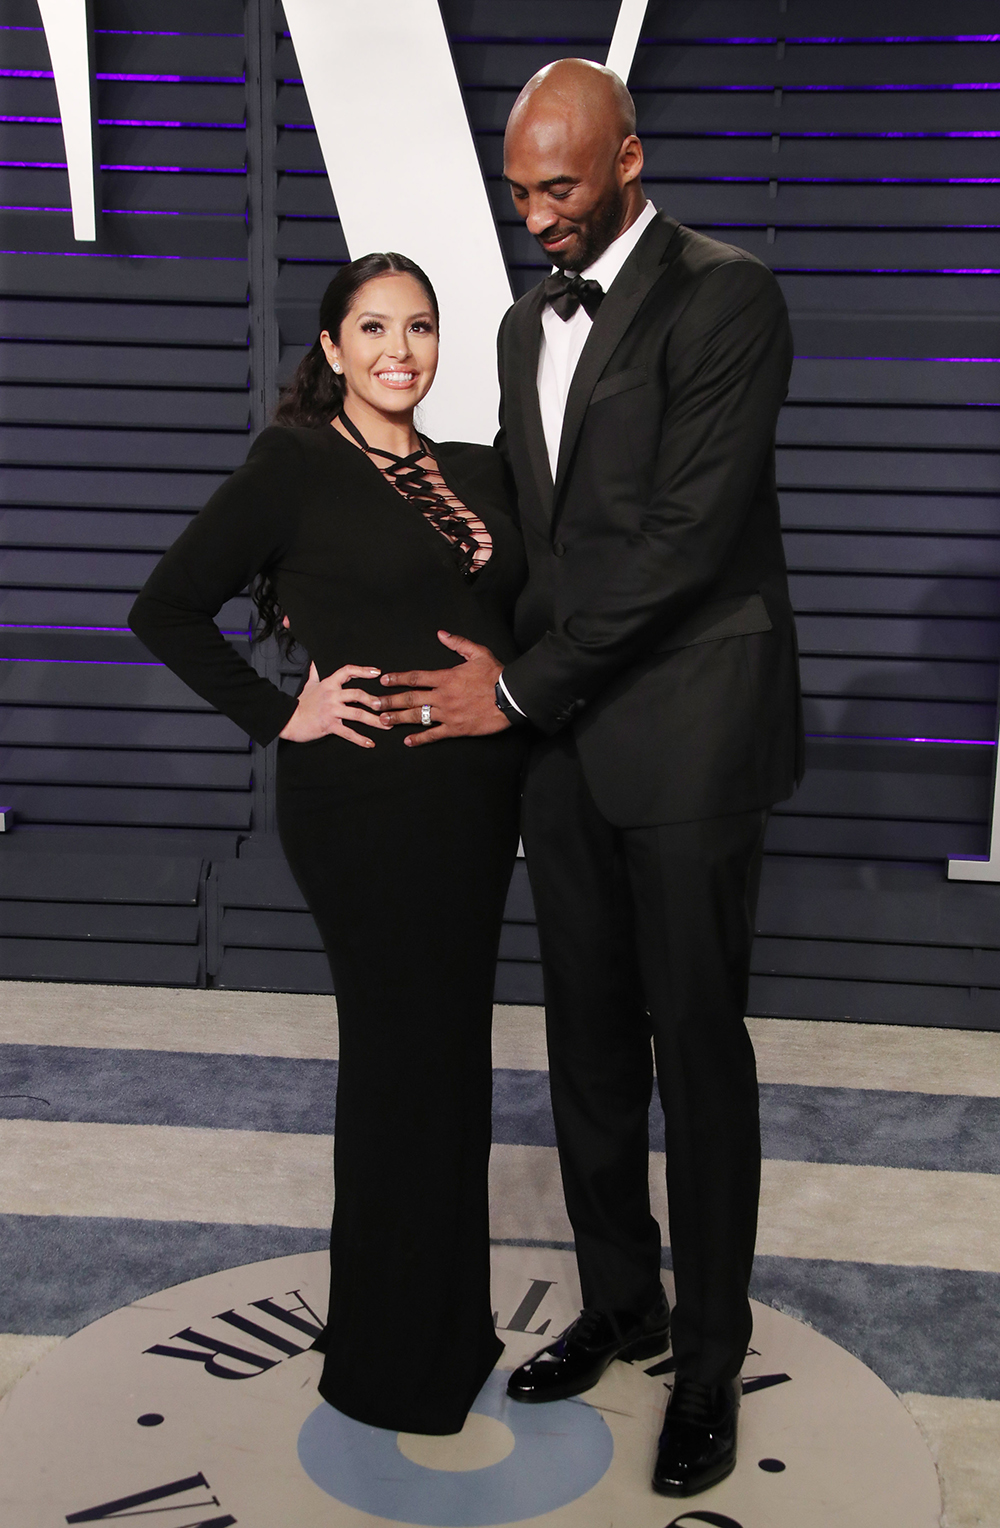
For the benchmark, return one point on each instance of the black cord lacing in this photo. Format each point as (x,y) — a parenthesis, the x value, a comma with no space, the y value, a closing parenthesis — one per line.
(411,480)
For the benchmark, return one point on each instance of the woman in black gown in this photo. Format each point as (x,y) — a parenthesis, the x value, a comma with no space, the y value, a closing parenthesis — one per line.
(365,539)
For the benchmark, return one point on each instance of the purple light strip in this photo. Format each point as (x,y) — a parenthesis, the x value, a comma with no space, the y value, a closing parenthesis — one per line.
(951,360)
(31,626)
(836,180)
(127,78)
(877,737)
(883,270)
(98,662)
(991,133)
(161,79)
(805,41)
(196,79)
(914,86)
(178,169)
(856,137)
(152,169)
(146,32)
(79,254)
(122,212)
(799,42)
(116,630)
(148,122)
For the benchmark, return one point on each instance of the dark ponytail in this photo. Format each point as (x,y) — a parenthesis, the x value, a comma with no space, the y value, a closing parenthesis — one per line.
(315,393)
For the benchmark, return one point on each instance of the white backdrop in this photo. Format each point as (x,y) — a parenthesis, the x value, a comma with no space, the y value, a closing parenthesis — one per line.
(391,122)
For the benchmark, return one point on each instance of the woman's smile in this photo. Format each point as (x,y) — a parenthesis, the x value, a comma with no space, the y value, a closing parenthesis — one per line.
(396,378)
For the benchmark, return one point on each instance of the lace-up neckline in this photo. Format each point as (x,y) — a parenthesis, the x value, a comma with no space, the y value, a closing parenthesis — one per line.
(418,479)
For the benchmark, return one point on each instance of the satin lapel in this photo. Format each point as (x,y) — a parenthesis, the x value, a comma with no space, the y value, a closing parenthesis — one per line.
(616,312)
(528,343)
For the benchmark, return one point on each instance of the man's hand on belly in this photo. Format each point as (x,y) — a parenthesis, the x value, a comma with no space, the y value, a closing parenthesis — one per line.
(462,699)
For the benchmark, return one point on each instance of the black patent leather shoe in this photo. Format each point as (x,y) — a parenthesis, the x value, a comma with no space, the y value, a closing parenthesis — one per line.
(578,1358)
(697,1446)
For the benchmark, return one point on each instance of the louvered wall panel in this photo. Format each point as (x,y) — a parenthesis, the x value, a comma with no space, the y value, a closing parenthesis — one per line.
(889,452)
(124,401)
(310,243)
(147,928)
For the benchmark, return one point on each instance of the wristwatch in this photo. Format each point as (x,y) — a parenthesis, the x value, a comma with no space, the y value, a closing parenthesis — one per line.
(507,707)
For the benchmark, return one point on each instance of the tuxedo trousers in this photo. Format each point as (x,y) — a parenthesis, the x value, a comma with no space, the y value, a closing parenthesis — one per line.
(645,937)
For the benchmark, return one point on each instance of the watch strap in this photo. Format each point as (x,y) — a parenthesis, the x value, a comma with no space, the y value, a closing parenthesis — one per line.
(507,707)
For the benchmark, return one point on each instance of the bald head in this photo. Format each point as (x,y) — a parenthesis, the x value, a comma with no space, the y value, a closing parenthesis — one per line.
(572,160)
(586,97)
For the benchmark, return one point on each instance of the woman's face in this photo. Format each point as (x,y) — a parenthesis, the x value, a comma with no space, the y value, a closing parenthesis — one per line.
(387,348)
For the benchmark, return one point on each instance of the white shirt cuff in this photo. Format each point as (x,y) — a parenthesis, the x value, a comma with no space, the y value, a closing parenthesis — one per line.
(510,697)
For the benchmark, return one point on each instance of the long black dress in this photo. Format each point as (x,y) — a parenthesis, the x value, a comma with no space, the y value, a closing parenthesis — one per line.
(404,857)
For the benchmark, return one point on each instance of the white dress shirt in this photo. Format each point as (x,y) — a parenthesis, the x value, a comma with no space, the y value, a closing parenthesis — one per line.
(563,339)
(562,345)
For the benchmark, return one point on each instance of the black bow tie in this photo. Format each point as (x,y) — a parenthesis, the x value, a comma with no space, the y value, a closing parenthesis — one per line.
(567,293)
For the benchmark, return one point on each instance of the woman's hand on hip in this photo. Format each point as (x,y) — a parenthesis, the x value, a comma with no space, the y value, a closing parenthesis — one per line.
(325,706)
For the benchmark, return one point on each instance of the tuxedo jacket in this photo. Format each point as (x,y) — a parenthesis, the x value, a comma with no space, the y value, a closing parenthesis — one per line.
(656,622)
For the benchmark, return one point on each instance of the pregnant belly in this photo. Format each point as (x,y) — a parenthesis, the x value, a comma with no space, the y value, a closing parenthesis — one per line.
(390,770)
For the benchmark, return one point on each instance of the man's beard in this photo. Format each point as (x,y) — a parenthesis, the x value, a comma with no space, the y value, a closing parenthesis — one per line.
(595,238)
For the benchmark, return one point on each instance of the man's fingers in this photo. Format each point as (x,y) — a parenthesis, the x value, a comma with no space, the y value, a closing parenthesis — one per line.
(460,644)
(420,679)
(408,718)
(434,734)
(406,700)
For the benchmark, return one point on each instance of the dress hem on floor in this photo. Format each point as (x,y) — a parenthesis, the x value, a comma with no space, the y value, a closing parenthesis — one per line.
(431,1427)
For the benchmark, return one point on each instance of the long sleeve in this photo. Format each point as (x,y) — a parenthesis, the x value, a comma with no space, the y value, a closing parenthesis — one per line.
(243,529)
(728,368)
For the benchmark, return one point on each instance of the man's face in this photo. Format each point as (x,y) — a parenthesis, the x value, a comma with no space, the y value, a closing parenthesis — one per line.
(566,186)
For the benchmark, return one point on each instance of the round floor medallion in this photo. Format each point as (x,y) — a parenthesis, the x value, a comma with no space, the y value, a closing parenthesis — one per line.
(197,1408)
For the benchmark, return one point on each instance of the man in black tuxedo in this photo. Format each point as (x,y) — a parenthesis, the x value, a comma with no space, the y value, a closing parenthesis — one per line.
(641,384)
